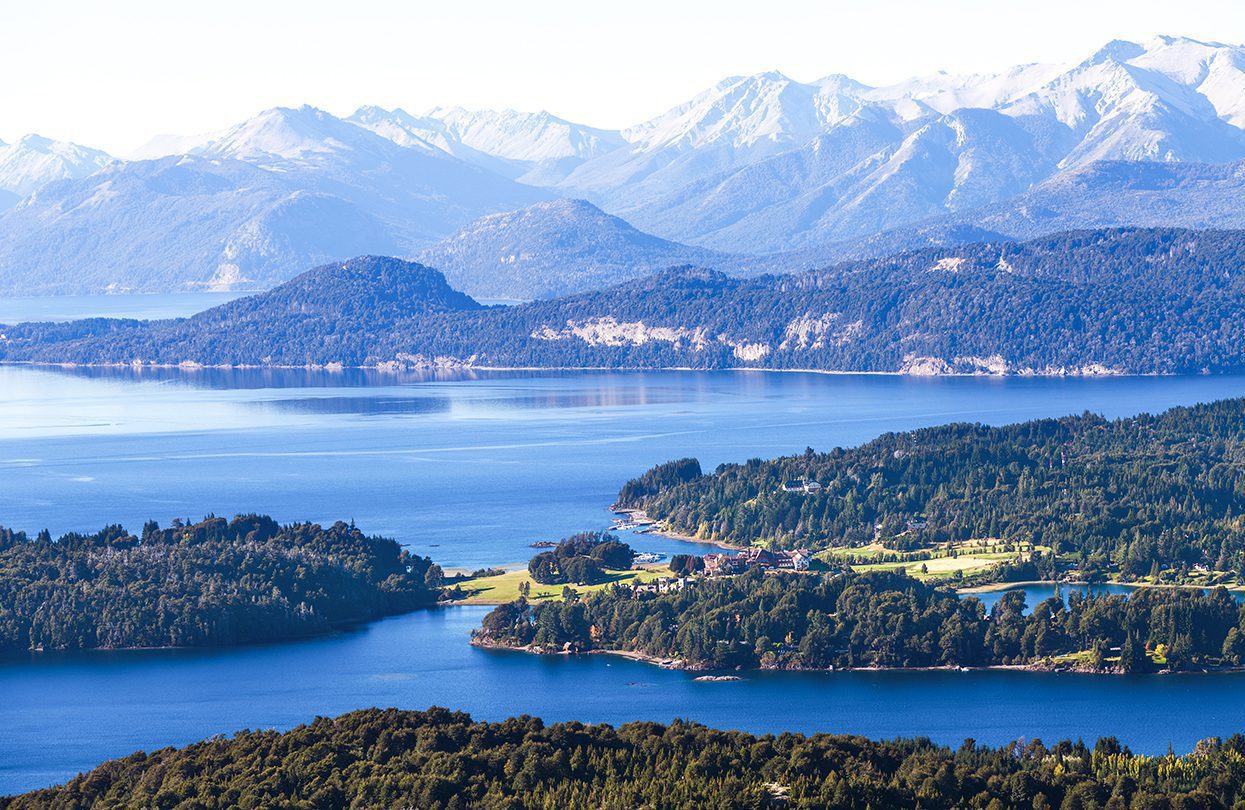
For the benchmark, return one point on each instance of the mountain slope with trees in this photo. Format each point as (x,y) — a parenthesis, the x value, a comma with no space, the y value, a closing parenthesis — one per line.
(554,248)
(1161,301)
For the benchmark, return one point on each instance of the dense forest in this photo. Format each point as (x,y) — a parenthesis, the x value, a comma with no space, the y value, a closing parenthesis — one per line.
(880,619)
(1126,300)
(194,584)
(1128,495)
(440,759)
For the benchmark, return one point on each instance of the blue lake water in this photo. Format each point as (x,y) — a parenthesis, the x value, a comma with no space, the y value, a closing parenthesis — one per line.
(144,306)
(471,470)
(153,306)
(1037,593)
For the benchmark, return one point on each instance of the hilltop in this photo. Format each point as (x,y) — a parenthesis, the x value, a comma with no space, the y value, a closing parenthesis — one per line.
(554,248)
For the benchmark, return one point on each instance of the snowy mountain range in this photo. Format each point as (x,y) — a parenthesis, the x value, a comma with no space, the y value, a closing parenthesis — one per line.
(758,165)
(1105,194)
(923,148)
(269,197)
(34,161)
(535,148)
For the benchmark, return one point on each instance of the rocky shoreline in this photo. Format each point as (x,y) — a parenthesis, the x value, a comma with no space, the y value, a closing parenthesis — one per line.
(456,364)
(660,530)
(684,666)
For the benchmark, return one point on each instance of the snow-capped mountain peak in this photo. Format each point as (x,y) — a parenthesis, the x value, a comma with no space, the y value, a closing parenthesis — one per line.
(1151,101)
(397,125)
(284,132)
(1186,61)
(742,111)
(1216,71)
(943,92)
(505,141)
(841,83)
(1117,50)
(729,170)
(33,161)
(522,136)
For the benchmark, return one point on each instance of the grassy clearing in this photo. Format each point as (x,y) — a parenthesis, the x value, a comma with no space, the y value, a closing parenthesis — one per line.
(505,587)
(938,568)
(942,561)
(1110,661)
(1081,658)
(873,550)
(976,547)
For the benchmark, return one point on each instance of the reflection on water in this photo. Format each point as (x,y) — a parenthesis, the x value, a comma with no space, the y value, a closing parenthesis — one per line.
(482,406)
(509,390)
(363,406)
(253,378)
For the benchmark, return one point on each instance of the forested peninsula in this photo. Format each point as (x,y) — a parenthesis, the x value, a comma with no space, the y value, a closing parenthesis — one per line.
(808,621)
(1153,497)
(1136,301)
(440,759)
(210,583)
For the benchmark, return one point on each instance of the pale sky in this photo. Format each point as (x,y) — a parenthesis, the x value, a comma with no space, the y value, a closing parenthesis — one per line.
(113,74)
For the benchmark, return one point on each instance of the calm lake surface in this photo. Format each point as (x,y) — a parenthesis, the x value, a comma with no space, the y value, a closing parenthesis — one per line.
(154,306)
(1036,593)
(471,470)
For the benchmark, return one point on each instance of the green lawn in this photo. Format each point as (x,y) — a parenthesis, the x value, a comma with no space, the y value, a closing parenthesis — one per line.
(505,588)
(969,556)
(1110,661)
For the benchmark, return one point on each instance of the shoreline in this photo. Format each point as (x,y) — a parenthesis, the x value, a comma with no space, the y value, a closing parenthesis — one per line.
(401,368)
(677,665)
(996,587)
(667,534)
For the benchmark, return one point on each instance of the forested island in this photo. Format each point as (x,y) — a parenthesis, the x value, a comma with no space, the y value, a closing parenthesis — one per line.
(210,583)
(878,619)
(1152,301)
(441,759)
(1150,497)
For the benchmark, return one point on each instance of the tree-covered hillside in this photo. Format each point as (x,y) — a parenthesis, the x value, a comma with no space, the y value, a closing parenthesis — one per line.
(200,584)
(554,248)
(1134,494)
(440,759)
(1137,301)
